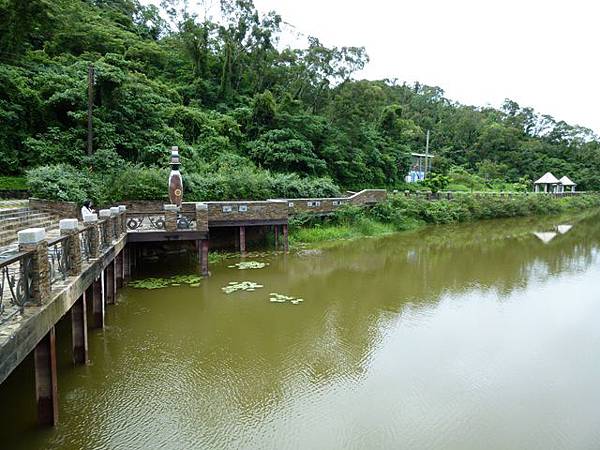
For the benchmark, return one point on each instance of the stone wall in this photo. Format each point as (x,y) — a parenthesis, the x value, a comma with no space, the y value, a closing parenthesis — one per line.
(14,194)
(246,211)
(369,197)
(67,210)
(329,205)
(313,205)
(146,206)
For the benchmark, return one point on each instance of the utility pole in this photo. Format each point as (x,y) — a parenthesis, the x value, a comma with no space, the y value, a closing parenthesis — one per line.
(90,134)
(427,154)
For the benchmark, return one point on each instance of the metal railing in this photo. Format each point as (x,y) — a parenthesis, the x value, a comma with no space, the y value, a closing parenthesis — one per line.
(85,242)
(16,277)
(156,221)
(59,261)
(186,221)
(151,221)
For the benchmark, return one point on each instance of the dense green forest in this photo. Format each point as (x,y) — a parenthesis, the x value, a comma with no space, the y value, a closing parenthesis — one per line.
(249,117)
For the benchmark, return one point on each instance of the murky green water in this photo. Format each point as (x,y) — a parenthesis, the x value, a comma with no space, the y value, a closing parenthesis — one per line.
(472,337)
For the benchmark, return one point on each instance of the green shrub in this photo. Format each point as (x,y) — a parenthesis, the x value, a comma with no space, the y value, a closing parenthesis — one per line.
(60,182)
(136,183)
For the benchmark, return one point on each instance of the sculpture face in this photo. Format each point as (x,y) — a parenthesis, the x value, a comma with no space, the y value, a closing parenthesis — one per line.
(175,180)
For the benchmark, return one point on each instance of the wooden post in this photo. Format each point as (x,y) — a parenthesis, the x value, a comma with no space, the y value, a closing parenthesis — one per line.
(119,269)
(285,237)
(109,283)
(79,330)
(276,232)
(204,258)
(46,389)
(98,302)
(126,264)
(242,240)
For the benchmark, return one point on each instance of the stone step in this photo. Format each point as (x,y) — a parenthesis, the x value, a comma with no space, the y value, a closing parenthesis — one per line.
(12,212)
(32,222)
(10,236)
(24,217)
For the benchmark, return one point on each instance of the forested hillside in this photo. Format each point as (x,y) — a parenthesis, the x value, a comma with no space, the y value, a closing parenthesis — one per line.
(240,107)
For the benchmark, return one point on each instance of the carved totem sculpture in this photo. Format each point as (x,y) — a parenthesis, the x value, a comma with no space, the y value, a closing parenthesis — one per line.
(175,181)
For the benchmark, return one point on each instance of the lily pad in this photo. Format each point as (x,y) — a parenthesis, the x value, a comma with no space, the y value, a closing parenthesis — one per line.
(280,298)
(159,283)
(245,265)
(235,286)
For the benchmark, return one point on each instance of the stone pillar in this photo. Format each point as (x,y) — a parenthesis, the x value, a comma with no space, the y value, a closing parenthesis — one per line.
(91,222)
(104,215)
(204,258)
(170,217)
(285,237)
(109,283)
(34,240)
(98,302)
(201,217)
(79,330)
(69,227)
(119,269)
(46,389)
(116,222)
(242,240)
(123,211)
(276,232)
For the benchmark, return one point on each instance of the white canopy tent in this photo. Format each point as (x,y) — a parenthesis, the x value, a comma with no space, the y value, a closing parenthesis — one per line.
(548,183)
(567,183)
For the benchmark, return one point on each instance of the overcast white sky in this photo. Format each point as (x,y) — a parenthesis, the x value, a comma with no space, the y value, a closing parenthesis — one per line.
(542,54)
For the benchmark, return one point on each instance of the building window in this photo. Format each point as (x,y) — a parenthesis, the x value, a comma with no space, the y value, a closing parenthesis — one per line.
(243,208)
(227,209)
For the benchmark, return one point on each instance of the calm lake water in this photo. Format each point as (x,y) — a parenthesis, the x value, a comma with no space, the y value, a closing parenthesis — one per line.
(482,336)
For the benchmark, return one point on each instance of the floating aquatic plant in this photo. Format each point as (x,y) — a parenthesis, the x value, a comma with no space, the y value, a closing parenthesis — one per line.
(280,298)
(244,265)
(149,283)
(235,286)
(159,283)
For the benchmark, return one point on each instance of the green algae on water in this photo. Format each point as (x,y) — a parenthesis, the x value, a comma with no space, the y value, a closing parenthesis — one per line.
(280,298)
(235,286)
(159,283)
(245,265)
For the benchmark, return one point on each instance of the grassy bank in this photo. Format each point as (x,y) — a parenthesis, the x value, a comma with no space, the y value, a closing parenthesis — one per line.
(399,213)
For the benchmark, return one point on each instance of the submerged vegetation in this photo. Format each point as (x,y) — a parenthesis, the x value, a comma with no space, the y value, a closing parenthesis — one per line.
(159,283)
(400,213)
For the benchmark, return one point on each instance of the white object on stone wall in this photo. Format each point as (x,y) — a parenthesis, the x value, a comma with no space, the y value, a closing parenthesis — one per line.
(90,218)
(114,211)
(68,224)
(201,206)
(104,213)
(122,208)
(170,207)
(31,235)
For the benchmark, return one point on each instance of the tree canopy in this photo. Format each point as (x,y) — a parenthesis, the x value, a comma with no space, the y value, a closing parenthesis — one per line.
(225,88)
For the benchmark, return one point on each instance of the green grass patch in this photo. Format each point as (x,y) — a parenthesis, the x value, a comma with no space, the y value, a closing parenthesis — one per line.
(400,213)
(363,227)
(13,183)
